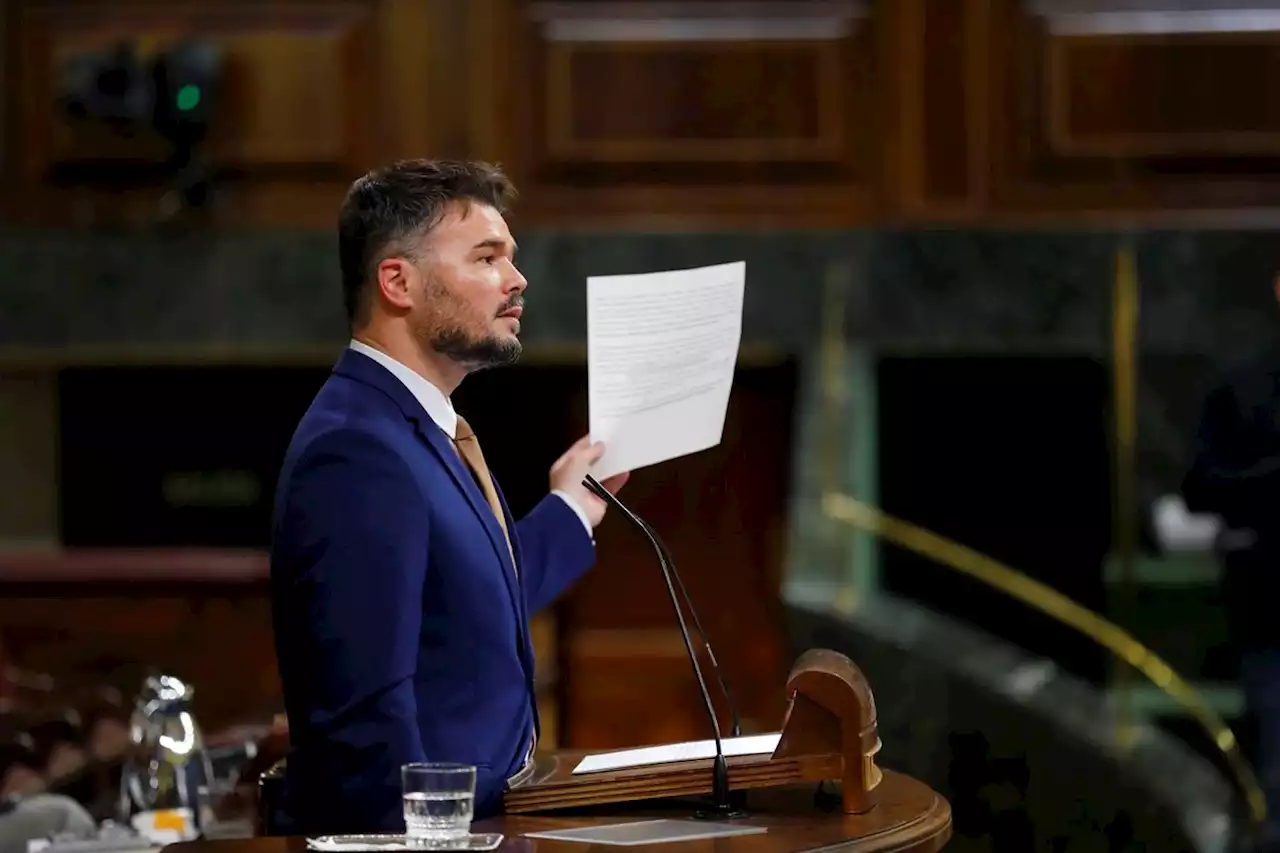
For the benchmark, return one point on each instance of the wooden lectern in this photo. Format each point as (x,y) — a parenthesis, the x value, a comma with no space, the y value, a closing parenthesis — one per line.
(828,734)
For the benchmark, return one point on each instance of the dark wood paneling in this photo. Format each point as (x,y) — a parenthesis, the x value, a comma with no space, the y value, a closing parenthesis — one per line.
(287,68)
(711,112)
(623,674)
(940,79)
(722,514)
(1171,95)
(218,638)
(597,114)
(313,94)
(1147,111)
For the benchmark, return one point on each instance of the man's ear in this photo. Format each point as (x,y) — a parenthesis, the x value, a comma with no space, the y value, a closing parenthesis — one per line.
(397,281)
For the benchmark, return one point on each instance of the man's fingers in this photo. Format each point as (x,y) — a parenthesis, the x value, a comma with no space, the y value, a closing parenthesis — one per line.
(577,447)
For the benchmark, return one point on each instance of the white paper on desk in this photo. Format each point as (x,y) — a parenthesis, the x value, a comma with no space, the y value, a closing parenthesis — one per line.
(692,750)
(661,350)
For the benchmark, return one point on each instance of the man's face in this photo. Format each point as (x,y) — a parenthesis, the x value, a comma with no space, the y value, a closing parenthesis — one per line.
(471,294)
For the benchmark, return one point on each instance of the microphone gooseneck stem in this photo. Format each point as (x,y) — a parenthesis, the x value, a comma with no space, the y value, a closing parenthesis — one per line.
(722,800)
(736,729)
(665,554)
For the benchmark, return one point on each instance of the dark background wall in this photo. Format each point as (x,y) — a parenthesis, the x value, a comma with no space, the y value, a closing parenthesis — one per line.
(972,165)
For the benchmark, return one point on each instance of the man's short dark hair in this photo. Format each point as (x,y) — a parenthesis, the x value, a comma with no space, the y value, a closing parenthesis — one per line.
(389,210)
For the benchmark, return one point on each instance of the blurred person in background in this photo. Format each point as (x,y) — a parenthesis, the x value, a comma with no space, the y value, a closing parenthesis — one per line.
(20,772)
(107,734)
(59,743)
(1235,474)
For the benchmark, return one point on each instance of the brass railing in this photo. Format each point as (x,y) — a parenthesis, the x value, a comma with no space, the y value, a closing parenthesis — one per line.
(848,510)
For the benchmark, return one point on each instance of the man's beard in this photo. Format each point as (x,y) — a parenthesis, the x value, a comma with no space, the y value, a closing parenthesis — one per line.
(475,353)
(451,338)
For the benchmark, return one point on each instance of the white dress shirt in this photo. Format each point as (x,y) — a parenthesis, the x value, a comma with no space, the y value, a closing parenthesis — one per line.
(440,408)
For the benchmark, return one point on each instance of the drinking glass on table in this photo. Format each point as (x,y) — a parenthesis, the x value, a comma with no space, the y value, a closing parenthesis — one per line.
(439,800)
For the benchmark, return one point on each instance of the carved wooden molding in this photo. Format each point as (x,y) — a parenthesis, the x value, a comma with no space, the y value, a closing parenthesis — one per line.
(1134,105)
(829,732)
(1146,81)
(1150,17)
(804,20)
(591,53)
(135,565)
(833,709)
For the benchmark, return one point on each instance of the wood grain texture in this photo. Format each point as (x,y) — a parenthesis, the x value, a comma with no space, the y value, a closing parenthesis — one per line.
(713,111)
(912,818)
(723,516)
(1101,109)
(218,638)
(829,732)
(936,150)
(658,115)
(313,95)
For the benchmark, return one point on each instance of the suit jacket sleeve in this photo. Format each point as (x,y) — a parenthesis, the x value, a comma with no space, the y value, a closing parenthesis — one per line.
(555,550)
(1230,475)
(351,558)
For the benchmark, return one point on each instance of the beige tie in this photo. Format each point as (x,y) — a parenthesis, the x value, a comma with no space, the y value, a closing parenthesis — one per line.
(469,449)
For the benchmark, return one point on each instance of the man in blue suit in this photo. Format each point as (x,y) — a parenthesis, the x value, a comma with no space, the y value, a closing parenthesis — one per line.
(401,586)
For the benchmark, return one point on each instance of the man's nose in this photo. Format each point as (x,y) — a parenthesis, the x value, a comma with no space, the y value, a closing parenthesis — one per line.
(516,281)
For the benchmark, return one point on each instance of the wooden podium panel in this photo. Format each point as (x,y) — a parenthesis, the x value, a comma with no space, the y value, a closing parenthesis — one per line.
(910,816)
(830,733)
(553,784)
(829,737)
(910,819)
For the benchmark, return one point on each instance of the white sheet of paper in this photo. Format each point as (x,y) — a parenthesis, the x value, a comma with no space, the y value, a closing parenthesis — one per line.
(661,350)
(687,751)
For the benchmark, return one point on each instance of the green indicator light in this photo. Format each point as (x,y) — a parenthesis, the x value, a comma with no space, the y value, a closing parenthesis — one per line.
(188,97)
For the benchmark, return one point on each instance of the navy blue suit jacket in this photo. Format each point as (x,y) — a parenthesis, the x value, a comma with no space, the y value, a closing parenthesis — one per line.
(401,628)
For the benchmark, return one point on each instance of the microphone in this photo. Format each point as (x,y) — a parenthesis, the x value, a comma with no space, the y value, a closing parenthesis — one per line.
(668,564)
(736,729)
(723,804)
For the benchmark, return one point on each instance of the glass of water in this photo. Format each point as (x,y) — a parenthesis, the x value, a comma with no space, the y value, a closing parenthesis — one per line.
(439,801)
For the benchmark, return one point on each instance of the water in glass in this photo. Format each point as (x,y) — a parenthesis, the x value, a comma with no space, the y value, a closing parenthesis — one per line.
(439,800)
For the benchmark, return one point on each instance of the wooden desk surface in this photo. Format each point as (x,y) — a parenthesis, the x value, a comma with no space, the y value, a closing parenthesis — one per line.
(910,818)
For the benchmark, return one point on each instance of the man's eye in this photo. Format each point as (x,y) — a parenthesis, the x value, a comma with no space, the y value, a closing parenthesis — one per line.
(488,259)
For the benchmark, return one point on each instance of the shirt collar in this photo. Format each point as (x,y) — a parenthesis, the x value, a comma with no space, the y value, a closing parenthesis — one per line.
(431,398)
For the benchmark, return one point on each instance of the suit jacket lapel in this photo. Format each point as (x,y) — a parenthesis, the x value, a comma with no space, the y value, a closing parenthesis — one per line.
(466,481)
(366,370)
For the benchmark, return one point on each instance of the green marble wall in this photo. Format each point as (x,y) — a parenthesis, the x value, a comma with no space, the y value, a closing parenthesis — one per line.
(1206,299)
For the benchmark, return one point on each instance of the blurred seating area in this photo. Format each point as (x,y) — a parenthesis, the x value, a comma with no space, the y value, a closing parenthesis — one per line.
(61,738)
(70,735)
